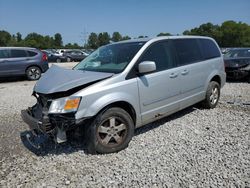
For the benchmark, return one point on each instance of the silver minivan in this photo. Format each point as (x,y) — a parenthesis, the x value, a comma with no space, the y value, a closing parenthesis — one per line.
(125,85)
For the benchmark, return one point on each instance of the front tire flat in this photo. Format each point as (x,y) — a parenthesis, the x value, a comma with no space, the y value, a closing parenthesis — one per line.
(111,131)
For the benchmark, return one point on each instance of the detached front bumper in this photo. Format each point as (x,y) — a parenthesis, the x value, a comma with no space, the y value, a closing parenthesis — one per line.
(34,124)
(54,126)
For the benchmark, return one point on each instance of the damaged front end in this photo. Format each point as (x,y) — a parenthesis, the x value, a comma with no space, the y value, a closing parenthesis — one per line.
(237,68)
(54,125)
(238,72)
(54,113)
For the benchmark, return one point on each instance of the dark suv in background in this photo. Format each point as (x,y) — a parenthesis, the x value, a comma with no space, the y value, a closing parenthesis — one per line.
(18,61)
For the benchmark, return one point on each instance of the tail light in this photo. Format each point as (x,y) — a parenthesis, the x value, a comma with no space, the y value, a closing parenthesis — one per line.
(44,57)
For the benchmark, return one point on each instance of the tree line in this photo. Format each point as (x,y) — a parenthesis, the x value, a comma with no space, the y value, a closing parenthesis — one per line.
(228,34)
(31,40)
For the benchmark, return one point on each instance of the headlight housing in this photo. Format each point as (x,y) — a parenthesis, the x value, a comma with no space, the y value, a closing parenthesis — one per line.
(65,105)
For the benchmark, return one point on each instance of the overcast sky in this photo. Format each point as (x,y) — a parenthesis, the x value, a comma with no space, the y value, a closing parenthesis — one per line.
(73,18)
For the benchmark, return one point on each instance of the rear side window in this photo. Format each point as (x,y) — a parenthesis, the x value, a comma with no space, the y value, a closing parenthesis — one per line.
(18,53)
(187,51)
(160,53)
(4,54)
(209,49)
(31,53)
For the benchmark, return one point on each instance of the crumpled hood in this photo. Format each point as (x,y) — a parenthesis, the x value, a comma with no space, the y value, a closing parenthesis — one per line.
(58,79)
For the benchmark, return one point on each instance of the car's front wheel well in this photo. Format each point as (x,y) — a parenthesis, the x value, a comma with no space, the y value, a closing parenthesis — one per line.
(125,106)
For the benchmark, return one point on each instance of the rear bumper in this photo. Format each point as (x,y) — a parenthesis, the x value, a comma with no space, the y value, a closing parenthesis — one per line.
(44,66)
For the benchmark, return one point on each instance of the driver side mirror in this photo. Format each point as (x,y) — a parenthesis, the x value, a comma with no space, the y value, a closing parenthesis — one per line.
(146,67)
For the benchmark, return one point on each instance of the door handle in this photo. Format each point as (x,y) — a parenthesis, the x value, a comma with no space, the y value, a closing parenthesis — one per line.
(173,75)
(185,72)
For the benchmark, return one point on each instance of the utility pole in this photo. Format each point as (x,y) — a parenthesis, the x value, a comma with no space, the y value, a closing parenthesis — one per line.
(85,35)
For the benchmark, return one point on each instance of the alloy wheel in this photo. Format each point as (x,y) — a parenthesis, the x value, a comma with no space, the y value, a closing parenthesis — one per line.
(214,96)
(34,73)
(112,132)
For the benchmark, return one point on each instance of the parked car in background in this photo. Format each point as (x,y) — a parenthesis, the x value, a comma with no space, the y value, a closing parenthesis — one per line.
(85,52)
(61,51)
(50,50)
(237,63)
(89,51)
(54,57)
(18,61)
(123,86)
(224,50)
(75,55)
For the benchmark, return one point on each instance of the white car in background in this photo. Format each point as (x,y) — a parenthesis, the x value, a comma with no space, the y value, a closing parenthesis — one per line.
(61,51)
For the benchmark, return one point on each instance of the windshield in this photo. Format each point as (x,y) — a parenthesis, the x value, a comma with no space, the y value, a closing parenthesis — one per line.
(110,58)
(238,53)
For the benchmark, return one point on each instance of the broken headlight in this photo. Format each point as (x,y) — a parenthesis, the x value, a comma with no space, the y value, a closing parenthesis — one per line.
(65,105)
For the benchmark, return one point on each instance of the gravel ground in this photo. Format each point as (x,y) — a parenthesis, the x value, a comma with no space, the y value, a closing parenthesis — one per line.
(192,148)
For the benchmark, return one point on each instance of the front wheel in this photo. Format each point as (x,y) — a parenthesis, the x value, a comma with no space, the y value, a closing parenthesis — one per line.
(212,95)
(111,131)
(33,73)
(58,60)
(68,59)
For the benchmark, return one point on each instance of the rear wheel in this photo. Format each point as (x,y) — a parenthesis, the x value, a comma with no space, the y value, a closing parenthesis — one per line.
(212,95)
(58,60)
(33,73)
(111,131)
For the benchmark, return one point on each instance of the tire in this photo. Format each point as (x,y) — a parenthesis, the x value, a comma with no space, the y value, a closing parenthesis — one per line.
(58,60)
(68,59)
(33,73)
(212,95)
(110,131)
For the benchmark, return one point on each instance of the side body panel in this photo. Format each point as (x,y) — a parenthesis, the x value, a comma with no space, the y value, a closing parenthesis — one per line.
(159,94)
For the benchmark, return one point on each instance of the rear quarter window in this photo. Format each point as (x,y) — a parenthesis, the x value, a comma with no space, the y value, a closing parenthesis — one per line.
(187,51)
(18,53)
(31,53)
(209,49)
